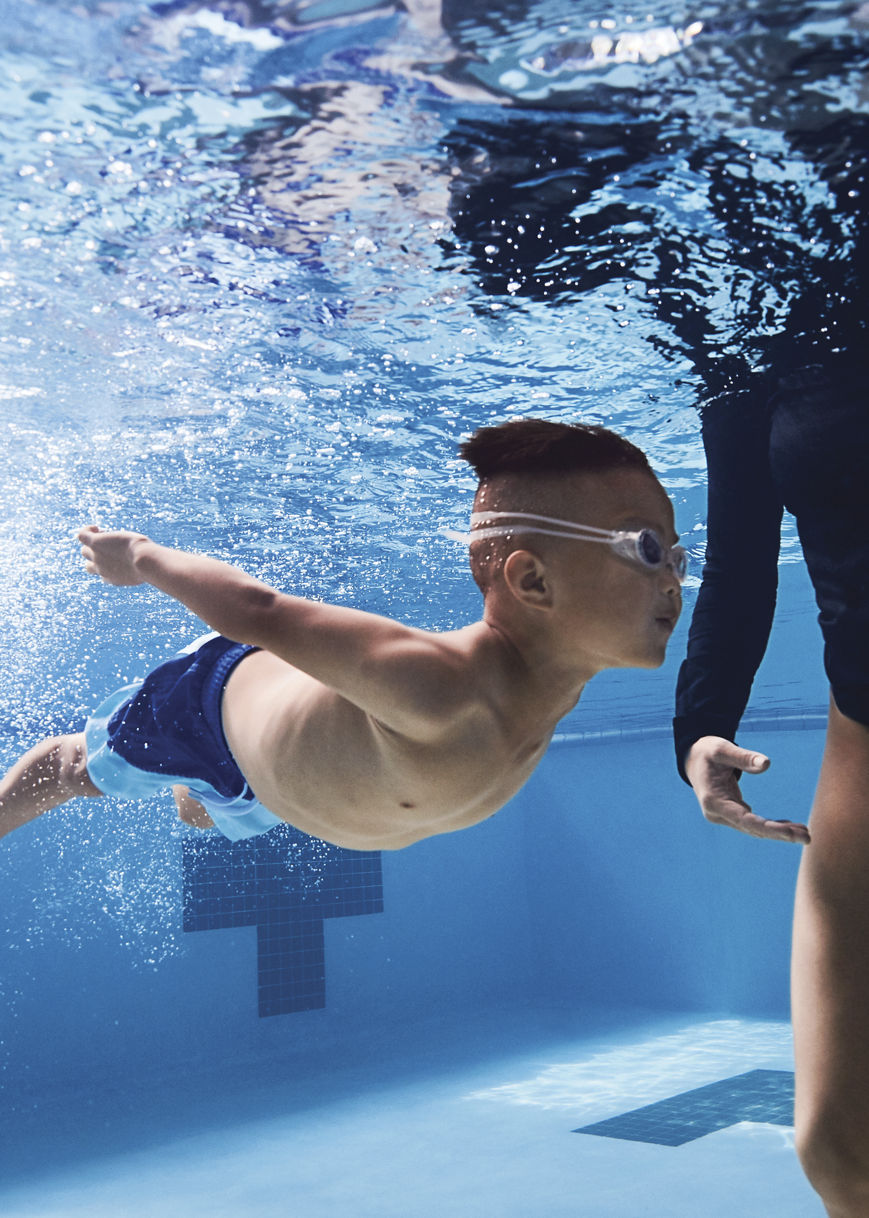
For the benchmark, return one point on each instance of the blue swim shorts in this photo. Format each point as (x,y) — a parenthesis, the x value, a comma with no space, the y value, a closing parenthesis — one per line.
(166,729)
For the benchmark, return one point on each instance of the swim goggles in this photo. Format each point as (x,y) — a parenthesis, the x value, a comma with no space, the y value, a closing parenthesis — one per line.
(643,546)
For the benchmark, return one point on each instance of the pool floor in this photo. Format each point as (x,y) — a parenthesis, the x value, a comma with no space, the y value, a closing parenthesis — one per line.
(473,1118)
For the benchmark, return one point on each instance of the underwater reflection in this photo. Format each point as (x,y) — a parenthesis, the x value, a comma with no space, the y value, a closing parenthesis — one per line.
(701,182)
(732,208)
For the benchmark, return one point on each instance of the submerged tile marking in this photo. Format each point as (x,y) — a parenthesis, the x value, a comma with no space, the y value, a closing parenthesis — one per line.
(765,1096)
(284,883)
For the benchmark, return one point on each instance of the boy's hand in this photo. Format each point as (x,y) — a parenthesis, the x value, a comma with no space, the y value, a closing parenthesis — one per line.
(713,767)
(110,555)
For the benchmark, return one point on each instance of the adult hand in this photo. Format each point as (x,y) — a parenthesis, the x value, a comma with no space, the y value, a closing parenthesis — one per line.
(110,555)
(714,766)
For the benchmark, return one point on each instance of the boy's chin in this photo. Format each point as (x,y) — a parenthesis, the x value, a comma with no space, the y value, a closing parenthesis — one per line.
(648,654)
(652,659)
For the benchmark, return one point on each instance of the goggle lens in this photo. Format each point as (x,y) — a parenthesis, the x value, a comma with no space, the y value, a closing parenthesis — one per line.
(652,552)
(650,549)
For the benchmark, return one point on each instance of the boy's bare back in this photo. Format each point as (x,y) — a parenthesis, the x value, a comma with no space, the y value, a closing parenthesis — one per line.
(449,747)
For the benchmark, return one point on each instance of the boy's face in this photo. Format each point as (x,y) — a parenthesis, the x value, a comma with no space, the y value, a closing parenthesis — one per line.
(612,611)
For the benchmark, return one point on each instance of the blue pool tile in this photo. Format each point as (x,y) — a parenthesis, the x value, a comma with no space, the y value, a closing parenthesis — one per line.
(764,1096)
(284,883)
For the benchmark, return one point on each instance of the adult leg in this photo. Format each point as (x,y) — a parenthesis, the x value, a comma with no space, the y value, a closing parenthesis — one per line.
(830,977)
(50,773)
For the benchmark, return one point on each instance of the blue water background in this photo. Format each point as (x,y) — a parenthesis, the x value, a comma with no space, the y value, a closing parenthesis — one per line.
(262,270)
(244,309)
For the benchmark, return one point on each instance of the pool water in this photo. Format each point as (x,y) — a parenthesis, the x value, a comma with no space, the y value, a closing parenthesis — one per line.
(464,1129)
(263,266)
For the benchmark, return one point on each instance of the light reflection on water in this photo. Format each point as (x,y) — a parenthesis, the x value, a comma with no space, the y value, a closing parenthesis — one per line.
(262,272)
(618,1079)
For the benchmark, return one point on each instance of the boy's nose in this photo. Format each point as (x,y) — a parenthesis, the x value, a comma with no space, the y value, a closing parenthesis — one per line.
(672,583)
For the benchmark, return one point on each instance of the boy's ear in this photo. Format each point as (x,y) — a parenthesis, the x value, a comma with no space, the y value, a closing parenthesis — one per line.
(526,576)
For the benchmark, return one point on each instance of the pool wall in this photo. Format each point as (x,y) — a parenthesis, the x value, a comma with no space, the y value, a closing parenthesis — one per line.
(600,886)
(645,902)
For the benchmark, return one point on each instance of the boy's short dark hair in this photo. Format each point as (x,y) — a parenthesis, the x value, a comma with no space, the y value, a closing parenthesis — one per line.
(539,446)
(516,462)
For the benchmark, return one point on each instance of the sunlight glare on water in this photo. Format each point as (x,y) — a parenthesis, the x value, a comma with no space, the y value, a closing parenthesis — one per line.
(618,1078)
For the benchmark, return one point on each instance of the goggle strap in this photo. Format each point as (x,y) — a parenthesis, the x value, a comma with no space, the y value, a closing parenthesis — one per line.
(578,534)
(585,530)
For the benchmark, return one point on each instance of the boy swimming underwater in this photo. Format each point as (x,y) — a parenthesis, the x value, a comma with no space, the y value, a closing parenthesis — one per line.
(355,728)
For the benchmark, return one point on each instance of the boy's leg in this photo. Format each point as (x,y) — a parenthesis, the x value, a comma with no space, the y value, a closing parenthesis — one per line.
(190,810)
(44,777)
(830,977)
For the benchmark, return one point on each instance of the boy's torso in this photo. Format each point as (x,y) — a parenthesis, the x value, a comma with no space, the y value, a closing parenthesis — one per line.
(333,771)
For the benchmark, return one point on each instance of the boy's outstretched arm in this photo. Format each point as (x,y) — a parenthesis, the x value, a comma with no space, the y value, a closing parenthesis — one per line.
(405,677)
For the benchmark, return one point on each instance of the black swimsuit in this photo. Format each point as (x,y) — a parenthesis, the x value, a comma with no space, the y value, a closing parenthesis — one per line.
(801,442)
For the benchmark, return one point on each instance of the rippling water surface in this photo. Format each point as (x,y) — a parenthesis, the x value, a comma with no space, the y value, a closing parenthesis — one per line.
(263,265)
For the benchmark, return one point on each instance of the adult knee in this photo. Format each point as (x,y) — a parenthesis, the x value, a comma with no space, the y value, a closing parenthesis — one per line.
(835,1158)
